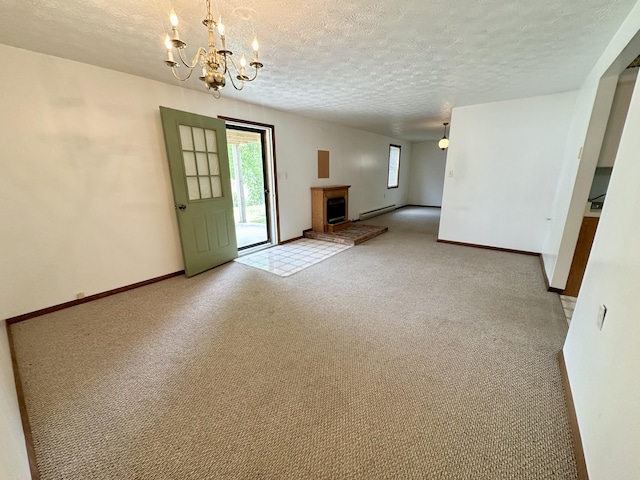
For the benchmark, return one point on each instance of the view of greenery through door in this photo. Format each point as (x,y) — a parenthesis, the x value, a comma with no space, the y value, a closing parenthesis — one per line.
(246,162)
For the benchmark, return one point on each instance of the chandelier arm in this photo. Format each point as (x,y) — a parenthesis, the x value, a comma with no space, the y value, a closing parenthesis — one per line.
(230,73)
(237,71)
(255,75)
(201,51)
(234,83)
(173,70)
(227,59)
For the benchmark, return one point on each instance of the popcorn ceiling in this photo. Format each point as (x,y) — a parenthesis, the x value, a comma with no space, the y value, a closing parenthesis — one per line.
(395,67)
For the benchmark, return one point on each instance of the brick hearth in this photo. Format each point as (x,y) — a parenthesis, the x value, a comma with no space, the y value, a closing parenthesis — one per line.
(353,235)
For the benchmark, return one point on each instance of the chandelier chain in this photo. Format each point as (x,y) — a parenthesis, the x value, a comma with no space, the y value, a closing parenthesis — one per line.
(209,16)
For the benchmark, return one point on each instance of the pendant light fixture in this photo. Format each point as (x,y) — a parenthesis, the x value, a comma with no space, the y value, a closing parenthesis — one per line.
(444,141)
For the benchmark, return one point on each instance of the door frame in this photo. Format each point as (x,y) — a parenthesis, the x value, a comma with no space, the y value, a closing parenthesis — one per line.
(271,177)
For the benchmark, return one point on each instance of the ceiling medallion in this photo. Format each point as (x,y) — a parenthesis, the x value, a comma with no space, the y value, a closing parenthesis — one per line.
(215,63)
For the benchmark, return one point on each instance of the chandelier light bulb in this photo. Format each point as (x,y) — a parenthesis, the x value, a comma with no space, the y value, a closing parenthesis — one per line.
(167,43)
(243,61)
(174,18)
(220,27)
(255,44)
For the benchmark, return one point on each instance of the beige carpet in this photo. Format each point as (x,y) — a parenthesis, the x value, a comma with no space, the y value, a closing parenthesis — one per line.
(399,358)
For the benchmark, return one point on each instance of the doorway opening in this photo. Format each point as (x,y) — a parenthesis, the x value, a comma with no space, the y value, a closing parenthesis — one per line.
(600,183)
(252,167)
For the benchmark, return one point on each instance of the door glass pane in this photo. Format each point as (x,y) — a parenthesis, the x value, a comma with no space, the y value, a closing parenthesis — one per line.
(205,187)
(217,187)
(185,137)
(198,139)
(189,163)
(214,164)
(192,186)
(203,167)
(211,141)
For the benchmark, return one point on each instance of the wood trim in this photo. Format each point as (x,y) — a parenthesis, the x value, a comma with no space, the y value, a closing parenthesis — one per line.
(581,254)
(248,122)
(487,247)
(581,463)
(275,163)
(275,181)
(90,298)
(292,239)
(24,417)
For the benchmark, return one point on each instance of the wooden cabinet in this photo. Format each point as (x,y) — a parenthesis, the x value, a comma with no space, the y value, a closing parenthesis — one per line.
(319,197)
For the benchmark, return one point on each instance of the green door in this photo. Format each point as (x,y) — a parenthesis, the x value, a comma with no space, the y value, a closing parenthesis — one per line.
(197,154)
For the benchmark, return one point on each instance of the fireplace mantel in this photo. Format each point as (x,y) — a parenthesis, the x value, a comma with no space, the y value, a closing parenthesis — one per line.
(319,197)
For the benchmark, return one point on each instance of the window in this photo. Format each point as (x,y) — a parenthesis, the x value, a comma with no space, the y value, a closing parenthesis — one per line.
(394,166)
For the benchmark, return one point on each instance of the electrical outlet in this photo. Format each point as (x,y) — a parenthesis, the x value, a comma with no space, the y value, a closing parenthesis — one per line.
(602,312)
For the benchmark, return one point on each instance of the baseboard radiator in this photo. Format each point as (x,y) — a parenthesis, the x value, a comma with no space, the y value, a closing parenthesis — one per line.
(377,211)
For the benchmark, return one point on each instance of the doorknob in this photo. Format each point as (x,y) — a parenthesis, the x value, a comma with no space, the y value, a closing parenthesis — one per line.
(182,207)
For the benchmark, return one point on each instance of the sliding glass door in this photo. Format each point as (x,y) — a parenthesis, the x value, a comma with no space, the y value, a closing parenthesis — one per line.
(250,188)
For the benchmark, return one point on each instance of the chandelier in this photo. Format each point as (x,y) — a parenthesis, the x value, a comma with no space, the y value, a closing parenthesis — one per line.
(215,63)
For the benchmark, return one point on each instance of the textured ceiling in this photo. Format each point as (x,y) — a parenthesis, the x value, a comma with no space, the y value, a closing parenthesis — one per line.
(395,67)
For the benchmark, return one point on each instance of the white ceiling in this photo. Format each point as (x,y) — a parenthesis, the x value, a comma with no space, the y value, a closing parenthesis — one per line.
(395,67)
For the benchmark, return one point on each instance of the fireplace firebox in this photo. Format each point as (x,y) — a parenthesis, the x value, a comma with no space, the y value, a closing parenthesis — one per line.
(336,210)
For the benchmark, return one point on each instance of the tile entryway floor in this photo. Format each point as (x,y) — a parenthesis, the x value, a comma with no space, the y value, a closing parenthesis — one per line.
(285,260)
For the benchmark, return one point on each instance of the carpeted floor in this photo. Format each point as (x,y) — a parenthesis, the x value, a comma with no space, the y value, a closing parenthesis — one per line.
(398,358)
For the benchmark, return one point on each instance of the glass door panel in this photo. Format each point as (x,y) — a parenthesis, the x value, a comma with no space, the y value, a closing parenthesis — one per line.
(247,165)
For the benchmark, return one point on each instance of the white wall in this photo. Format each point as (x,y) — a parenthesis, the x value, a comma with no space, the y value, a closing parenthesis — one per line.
(14,464)
(506,159)
(84,172)
(603,365)
(617,117)
(587,131)
(578,167)
(426,182)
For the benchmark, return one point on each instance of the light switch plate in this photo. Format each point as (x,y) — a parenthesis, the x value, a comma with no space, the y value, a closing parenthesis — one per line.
(602,312)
